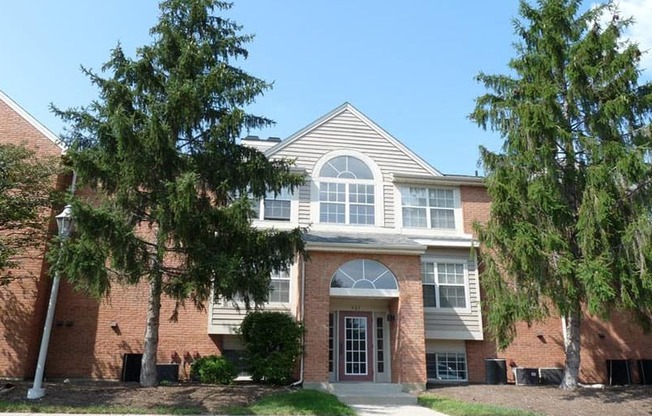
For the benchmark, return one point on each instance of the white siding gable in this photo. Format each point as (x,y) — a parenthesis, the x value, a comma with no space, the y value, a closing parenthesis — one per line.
(344,130)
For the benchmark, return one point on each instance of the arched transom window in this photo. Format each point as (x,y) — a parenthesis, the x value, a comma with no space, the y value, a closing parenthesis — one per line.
(346,192)
(364,277)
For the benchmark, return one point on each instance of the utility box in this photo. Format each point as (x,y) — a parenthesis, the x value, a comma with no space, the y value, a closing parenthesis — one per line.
(495,371)
(526,376)
(551,376)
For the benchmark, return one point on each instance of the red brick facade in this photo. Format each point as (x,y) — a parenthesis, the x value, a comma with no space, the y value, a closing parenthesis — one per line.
(23,302)
(90,336)
(406,331)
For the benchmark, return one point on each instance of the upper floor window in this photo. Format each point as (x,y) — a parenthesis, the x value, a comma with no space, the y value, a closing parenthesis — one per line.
(274,207)
(445,284)
(346,192)
(428,208)
(279,291)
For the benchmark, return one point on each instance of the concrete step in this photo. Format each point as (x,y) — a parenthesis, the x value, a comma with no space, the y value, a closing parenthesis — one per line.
(380,394)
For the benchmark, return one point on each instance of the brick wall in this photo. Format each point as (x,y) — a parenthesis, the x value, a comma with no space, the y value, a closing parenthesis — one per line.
(23,302)
(406,331)
(89,337)
(475,206)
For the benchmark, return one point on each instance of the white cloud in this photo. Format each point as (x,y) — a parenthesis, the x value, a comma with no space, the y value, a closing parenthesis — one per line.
(641,31)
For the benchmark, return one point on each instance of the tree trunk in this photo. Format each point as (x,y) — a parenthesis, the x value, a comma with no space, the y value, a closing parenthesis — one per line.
(148,366)
(572,325)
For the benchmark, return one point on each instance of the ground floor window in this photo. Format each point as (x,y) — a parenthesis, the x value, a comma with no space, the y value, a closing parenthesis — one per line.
(447,366)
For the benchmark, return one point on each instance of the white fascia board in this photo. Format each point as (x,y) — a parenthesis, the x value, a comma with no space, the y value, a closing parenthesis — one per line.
(348,248)
(32,121)
(433,242)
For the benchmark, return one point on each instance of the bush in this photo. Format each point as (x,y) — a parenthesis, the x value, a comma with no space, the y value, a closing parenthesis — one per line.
(213,370)
(272,344)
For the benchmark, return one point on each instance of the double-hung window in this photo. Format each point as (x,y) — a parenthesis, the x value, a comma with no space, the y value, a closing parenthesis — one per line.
(279,290)
(428,208)
(346,192)
(274,207)
(445,285)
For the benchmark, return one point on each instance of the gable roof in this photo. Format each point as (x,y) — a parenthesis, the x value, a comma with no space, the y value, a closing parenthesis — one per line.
(31,120)
(366,120)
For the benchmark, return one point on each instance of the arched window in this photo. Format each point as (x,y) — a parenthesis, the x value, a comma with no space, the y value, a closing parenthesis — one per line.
(364,277)
(346,192)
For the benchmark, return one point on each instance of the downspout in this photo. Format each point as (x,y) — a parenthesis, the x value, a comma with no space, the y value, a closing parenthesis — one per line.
(37,391)
(303,319)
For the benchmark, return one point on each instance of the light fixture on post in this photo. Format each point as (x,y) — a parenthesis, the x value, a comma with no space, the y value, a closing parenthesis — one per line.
(64,225)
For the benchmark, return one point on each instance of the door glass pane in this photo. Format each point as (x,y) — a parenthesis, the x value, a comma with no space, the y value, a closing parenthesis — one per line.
(355,345)
(380,346)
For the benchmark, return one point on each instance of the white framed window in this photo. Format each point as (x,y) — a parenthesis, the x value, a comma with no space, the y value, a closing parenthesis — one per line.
(346,192)
(274,207)
(447,366)
(428,208)
(445,284)
(279,289)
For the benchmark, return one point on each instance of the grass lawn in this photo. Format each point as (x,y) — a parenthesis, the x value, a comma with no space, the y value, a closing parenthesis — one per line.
(459,408)
(300,402)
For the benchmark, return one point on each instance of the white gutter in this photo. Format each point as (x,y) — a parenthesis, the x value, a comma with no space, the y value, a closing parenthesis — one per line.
(37,391)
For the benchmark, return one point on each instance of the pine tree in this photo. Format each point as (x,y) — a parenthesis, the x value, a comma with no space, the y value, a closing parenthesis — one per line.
(27,196)
(159,150)
(569,231)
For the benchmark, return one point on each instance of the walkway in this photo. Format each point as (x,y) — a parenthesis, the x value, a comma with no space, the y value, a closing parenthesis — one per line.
(375,410)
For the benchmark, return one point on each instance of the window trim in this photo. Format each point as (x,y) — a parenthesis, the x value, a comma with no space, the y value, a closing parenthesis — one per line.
(467,286)
(378,192)
(348,184)
(292,197)
(457,353)
(456,209)
(284,196)
(284,276)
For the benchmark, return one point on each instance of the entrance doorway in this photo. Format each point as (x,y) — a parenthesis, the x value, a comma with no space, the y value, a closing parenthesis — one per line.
(355,346)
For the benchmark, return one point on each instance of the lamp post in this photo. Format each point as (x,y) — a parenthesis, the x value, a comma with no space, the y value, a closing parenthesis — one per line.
(64,225)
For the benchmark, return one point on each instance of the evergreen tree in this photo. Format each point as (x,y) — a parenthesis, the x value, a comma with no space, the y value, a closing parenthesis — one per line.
(26,198)
(569,230)
(158,148)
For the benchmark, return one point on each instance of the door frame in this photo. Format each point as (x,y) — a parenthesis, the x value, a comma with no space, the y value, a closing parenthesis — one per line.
(369,340)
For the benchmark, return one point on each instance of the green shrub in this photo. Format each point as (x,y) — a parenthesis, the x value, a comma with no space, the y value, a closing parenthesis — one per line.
(272,344)
(213,370)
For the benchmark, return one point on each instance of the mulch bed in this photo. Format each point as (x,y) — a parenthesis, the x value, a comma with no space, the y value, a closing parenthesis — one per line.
(108,393)
(547,400)
(552,401)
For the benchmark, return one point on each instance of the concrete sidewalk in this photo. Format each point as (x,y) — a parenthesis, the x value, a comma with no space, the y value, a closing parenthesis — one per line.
(405,410)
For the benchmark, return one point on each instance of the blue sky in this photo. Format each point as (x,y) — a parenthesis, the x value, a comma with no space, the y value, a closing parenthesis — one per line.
(409,66)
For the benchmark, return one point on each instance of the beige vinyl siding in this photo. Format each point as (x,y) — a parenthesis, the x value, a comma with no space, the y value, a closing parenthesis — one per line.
(304,204)
(447,324)
(225,318)
(347,132)
(390,212)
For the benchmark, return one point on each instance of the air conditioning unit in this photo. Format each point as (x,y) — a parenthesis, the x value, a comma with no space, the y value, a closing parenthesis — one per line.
(526,376)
